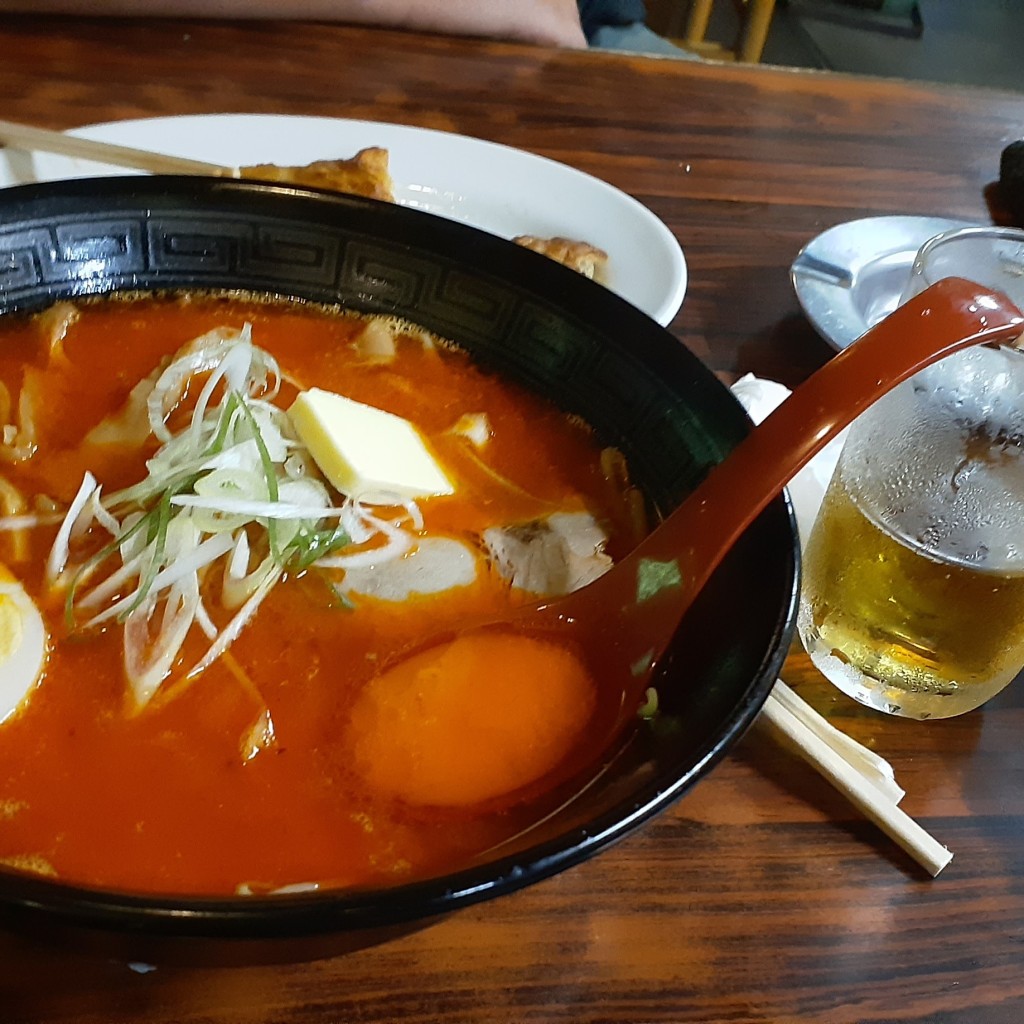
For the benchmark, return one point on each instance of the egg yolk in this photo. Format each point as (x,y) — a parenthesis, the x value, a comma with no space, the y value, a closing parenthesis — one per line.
(470,720)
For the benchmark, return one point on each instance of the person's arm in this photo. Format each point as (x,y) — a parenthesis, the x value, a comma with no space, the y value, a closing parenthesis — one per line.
(547,22)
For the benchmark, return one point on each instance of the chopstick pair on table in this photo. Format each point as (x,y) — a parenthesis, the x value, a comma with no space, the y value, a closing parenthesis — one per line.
(862,776)
(28,138)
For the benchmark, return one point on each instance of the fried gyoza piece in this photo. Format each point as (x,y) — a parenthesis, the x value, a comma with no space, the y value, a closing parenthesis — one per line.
(582,257)
(365,174)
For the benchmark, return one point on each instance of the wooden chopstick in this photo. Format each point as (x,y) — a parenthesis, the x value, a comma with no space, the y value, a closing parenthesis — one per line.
(872,766)
(26,137)
(860,789)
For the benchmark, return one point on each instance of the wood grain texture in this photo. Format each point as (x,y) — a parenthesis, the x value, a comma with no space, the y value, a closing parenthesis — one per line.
(761,898)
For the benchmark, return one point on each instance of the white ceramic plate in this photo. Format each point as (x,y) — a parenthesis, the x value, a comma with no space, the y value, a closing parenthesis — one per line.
(502,190)
(851,276)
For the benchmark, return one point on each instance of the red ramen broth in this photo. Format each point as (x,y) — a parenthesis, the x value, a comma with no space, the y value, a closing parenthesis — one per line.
(285,762)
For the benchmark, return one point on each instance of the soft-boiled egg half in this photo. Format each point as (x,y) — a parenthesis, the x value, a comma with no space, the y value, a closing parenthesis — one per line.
(22,643)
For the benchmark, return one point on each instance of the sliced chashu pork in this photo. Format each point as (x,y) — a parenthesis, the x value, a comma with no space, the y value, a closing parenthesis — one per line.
(554,555)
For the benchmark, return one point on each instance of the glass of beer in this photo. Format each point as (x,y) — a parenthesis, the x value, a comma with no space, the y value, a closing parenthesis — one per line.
(912,599)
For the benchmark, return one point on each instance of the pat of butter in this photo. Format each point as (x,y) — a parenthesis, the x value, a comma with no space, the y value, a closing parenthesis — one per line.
(365,451)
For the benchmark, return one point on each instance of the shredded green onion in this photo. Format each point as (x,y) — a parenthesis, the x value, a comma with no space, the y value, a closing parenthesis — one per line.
(212,484)
(270,477)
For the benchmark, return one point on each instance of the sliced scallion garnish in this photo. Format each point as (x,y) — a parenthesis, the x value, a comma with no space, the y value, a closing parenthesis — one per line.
(233,488)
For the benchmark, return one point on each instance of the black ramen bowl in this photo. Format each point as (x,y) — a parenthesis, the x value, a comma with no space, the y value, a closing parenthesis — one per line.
(528,319)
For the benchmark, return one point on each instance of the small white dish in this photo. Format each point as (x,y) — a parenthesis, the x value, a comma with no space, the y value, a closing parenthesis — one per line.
(852,275)
(497,188)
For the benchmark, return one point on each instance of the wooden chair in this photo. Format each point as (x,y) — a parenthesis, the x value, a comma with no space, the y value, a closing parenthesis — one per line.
(755,20)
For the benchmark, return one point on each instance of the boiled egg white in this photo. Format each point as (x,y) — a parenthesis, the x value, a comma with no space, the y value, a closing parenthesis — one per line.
(23,643)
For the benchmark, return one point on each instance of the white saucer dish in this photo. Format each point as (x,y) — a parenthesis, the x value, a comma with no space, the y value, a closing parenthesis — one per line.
(852,275)
(497,188)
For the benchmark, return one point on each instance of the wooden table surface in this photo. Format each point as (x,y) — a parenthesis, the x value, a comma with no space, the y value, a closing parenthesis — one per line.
(761,896)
